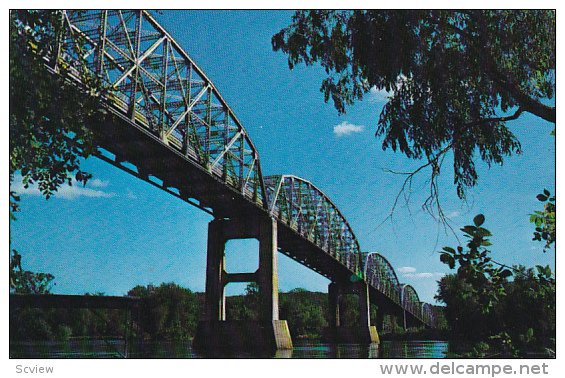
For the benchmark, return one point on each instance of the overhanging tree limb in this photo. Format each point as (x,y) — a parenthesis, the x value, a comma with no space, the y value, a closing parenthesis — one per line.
(526,102)
(488,63)
(483,121)
(457,77)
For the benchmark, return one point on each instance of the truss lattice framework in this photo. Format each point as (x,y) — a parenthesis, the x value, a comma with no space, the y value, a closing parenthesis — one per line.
(153,81)
(411,301)
(380,274)
(148,78)
(428,314)
(307,210)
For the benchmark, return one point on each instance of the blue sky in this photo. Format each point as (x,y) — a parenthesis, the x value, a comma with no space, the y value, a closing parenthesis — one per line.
(119,231)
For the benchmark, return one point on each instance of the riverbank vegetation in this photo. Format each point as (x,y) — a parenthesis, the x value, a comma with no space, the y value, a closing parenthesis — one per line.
(499,310)
(171,312)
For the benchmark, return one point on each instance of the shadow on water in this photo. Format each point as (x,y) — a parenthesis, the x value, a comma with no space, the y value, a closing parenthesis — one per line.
(183,349)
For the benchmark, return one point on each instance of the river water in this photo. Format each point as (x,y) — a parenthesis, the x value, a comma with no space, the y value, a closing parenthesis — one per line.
(175,349)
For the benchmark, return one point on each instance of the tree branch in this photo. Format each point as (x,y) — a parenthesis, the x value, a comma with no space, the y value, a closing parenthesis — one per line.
(526,102)
(432,201)
(488,63)
(482,121)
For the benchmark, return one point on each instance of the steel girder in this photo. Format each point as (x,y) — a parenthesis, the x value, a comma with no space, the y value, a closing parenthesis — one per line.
(149,78)
(380,274)
(307,210)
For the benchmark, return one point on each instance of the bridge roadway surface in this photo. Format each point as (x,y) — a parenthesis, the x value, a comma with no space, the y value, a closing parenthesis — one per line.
(169,126)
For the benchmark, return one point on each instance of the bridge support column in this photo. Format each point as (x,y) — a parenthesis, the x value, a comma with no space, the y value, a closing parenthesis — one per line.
(380,321)
(268,278)
(404,321)
(361,333)
(214,306)
(333,297)
(214,330)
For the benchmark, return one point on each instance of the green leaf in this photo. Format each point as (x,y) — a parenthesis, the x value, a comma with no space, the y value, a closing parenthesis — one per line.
(469,230)
(447,259)
(541,198)
(482,232)
(505,273)
(546,192)
(479,220)
(449,249)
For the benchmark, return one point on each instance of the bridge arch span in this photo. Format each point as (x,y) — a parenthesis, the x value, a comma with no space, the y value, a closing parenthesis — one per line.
(410,300)
(150,81)
(428,314)
(379,273)
(303,207)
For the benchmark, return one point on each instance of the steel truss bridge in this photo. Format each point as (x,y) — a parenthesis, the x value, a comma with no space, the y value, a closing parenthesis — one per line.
(173,126)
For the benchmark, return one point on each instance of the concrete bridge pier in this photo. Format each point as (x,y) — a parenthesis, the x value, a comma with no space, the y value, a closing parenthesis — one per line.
(364,332)
(214,331)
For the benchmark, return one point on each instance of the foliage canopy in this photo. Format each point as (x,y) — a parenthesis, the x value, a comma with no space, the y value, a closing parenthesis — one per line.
(545,220)
(512,317)
(26,282)
(450,75)
(47,113)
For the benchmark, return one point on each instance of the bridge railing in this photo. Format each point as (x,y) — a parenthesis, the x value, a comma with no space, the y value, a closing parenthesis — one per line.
(151,80)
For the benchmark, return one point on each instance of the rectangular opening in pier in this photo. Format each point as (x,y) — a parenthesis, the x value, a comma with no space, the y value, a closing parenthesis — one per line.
(242,255)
